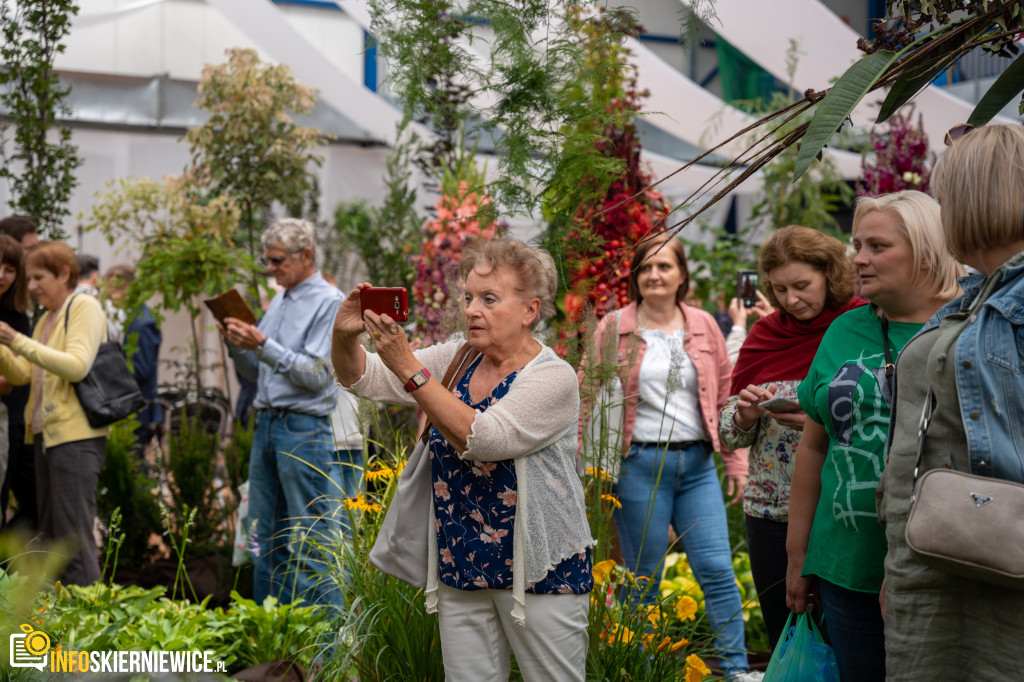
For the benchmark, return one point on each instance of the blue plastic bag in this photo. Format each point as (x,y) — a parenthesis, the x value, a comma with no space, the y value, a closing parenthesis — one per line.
(802,655)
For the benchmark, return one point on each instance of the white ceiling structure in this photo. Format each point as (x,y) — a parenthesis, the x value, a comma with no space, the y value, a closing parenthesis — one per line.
(827,47)
(676,105)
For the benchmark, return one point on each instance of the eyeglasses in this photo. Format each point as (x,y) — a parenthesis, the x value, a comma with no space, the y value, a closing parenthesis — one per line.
(276,261)
(956,132)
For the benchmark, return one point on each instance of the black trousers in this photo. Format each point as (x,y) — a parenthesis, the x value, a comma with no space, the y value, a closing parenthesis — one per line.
(766,542)
(66,479)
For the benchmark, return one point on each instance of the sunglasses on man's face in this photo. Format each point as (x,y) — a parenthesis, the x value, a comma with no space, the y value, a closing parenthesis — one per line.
(276,261)
(956,132)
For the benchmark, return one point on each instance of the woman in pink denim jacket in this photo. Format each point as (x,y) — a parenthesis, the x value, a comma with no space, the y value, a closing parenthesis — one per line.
(675,374)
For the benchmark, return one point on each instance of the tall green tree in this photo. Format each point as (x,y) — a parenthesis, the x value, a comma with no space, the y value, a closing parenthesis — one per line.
(41,174)
(251,149)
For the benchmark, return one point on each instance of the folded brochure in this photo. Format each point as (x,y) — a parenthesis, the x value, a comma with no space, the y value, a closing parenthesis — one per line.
(230,304)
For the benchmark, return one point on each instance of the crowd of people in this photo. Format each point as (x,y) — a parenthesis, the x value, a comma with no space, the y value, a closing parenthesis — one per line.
(815,413)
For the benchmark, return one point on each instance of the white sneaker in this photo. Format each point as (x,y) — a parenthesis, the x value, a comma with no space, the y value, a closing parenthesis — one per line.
(750,676)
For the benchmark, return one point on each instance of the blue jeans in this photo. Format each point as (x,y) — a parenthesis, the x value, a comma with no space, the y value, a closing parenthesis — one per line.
(681,487)
(350,478)
(856,630)
(295,489)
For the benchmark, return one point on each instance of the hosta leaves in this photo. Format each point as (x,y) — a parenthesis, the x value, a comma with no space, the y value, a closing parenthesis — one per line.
(838,103)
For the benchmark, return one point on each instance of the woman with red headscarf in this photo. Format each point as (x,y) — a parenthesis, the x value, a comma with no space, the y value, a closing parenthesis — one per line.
(810,281)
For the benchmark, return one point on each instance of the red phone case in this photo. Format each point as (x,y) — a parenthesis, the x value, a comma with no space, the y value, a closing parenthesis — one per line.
(390,301)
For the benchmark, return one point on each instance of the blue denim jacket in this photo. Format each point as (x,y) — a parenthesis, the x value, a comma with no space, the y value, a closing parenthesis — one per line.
(990,371)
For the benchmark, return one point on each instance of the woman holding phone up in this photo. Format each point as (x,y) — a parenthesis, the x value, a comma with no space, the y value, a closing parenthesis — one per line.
(808,277)
(508,539)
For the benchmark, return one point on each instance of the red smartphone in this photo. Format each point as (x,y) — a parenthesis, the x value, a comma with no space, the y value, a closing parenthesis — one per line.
(390,301)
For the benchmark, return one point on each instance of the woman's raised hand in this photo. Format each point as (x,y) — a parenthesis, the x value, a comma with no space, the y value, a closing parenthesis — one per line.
(349,320)
(391,343)
(763,308)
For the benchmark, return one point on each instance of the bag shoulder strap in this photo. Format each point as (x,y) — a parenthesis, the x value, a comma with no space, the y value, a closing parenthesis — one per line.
(465,356)
(890,366)
(67,312)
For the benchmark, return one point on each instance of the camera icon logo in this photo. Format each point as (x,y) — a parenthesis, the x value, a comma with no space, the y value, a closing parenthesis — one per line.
(30,648)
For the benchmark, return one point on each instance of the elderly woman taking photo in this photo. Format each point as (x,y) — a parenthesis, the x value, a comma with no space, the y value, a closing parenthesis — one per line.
(808,277)
(835,545)
(511,543)
(967,362)
(68,452)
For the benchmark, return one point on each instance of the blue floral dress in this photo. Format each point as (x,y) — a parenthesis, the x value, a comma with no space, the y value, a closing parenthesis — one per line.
(475,512)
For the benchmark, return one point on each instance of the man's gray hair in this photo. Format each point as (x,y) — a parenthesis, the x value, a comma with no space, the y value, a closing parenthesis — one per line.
(291,234)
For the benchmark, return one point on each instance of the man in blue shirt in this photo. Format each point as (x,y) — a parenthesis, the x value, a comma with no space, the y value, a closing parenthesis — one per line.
(294,474)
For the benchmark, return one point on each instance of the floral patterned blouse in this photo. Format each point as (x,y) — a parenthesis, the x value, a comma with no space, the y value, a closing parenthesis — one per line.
(772,453)
(475,512)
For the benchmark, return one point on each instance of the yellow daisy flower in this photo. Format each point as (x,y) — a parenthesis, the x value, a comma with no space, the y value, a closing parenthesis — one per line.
(614,501)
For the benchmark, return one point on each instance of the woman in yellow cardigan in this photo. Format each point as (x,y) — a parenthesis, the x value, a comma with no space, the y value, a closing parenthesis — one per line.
(69,452)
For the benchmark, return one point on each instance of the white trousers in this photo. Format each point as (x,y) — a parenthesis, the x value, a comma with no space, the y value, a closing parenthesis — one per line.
(477,631)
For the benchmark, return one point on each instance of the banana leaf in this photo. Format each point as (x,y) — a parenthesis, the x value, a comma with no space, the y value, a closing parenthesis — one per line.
(838,103)
(1007,86)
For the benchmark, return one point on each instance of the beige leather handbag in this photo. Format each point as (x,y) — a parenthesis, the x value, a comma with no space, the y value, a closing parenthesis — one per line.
(971,526)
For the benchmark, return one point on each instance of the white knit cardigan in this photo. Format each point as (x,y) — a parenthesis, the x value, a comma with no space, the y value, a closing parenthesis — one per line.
(534,424)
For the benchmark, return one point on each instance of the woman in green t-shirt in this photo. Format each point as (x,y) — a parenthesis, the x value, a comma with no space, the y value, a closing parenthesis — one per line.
(835,545)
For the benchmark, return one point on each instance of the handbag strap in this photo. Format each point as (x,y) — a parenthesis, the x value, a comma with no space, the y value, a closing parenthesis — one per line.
(67,312)
(890,366)
(465,356)
(922,429)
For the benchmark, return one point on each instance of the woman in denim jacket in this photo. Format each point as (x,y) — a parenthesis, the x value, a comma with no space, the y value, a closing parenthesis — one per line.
(969,358)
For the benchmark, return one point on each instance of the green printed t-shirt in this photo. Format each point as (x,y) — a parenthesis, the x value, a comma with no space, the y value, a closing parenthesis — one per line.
(845,390)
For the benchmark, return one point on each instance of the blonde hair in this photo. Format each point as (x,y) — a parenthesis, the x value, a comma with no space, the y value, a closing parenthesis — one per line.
(917,217)
(534,269)
(980,182)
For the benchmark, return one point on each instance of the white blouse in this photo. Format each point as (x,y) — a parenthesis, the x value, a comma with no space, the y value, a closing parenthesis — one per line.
(668,409)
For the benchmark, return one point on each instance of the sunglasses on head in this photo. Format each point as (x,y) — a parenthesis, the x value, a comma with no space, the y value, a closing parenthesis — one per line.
(956,132)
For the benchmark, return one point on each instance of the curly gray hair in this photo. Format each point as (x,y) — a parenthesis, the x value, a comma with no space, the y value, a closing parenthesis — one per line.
(291,234)
(534,268)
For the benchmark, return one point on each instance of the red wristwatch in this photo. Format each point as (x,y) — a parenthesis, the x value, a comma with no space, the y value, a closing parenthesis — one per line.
(417,380)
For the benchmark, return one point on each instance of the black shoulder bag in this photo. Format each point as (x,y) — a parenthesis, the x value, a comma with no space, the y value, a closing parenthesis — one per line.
(109,392)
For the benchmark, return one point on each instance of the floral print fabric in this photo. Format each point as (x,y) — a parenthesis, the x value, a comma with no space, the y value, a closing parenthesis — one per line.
(475,510)
(772,452)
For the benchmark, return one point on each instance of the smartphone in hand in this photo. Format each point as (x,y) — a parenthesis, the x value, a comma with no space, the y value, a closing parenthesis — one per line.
(780,405)
(746,287)
(390,301)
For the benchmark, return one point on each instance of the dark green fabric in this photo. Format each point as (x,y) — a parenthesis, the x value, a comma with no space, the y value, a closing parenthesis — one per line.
(742,79)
